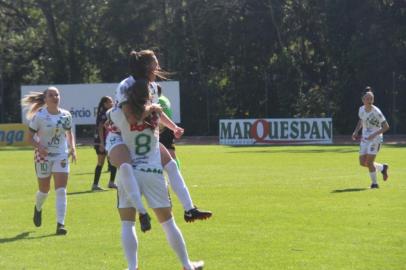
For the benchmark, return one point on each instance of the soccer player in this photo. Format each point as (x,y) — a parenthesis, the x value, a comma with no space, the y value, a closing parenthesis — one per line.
(144,64)
(373,124)
(105,104)
(140,133)
(51,135)
(166,136)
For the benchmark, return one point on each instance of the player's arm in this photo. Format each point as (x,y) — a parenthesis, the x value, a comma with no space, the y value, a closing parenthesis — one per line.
(383,129)
(357,129)
(33,128)
(167,122)
(30,139)
(71,144)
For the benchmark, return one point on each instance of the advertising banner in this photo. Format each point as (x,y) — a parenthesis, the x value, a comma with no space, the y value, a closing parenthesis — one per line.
(276,131)
(13,134)
(82,99)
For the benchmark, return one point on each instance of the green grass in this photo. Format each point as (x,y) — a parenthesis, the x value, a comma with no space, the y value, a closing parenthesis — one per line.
(281,207)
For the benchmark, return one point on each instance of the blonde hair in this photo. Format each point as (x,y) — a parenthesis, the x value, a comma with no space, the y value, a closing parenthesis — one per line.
(35,101)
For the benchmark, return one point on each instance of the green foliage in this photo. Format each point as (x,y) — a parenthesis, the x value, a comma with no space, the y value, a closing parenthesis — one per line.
(234,59)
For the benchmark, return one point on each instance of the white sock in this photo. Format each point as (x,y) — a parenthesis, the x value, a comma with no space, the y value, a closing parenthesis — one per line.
(178,184)
(373,177)
(176,241)
(378,166)
(127,178)
(60,204)
(130,243)
(40,198)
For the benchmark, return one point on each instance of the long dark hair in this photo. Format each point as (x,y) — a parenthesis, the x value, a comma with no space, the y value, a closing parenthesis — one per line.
(100,107)
(138,97)
(140,63)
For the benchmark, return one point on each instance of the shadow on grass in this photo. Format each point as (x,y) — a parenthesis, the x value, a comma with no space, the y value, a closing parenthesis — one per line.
(348,190)
(87,173)
(395,145)
(24,236)
(82,173)
(86,192)
(16,148)
(79,192)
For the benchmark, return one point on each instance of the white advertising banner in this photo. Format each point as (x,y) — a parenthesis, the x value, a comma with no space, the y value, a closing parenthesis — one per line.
(82,99)
(276,131)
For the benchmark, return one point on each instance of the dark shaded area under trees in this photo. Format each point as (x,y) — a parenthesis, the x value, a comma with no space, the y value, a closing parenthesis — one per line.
(234,59)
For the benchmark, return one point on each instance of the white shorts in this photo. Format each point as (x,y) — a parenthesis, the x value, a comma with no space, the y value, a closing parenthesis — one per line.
(152,186)
(112,140)
(369,147)
(44,168)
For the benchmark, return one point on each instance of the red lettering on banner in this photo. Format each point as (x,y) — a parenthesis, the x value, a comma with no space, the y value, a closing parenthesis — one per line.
(254,130)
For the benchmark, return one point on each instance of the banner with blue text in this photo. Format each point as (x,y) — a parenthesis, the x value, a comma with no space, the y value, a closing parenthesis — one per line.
(276,131)
(13,135)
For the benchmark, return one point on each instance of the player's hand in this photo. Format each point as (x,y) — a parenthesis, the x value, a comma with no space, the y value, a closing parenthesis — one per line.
(42,150)
(72,154)
(178,132)
(155,108)
(354,136)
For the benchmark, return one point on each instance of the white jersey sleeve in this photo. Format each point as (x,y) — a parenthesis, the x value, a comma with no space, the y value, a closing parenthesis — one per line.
(121,90)
(120,95)
(34,123)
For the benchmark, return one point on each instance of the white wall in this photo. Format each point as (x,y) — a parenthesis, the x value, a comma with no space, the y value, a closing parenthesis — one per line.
(82,99)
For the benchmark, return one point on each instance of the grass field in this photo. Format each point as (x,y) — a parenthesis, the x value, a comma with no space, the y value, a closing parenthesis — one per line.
(281,207)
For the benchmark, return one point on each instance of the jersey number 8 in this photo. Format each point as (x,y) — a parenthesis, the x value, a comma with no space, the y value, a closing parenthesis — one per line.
(142,146)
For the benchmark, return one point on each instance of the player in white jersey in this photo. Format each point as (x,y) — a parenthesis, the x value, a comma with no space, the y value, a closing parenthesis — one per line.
(373,124)
(51,135)
(140,133)
(144,64)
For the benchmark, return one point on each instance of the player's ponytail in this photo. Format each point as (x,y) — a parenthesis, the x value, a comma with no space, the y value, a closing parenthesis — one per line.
(138,97)
(140,64)
(33,102)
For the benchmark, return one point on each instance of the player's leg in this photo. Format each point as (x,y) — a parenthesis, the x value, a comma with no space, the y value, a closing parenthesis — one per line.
(178,185)
(372,151)
(372,170)
(128,188)
(175,178)
(60,171)
(129,239)
(363,149)
(383,168)
(155,190)
(120,158)
(172,152)
(113,172)
(128,234)
(43,171)
(101,157)
(363,161)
